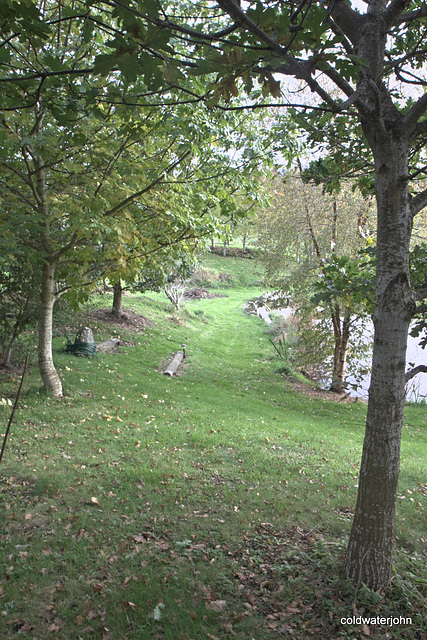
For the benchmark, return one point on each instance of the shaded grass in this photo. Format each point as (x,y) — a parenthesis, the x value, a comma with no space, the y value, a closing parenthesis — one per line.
(211,505)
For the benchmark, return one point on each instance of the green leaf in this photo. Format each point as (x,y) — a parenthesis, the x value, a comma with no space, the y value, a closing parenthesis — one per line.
(104,63)
(129,65)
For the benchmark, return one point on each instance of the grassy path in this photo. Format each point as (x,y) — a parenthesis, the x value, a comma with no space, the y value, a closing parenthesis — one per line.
(211,505)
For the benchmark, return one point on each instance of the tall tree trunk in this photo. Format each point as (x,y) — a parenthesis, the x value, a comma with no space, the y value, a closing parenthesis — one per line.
(37,180)
(47,369)
(342,337)
(117,299)
(369,552)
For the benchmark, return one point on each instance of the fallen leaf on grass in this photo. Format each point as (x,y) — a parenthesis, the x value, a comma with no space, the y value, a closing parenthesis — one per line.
(55,626)
(162,545)
(158,612)
(216,605)
(25,627)
(292,609)
(142,538)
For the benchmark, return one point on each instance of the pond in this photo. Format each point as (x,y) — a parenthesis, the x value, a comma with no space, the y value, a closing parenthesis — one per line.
(416,388)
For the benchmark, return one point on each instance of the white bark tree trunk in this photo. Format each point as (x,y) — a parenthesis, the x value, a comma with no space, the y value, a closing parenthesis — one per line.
(48,373)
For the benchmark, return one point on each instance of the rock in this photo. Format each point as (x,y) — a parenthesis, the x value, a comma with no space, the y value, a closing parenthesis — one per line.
(84,334)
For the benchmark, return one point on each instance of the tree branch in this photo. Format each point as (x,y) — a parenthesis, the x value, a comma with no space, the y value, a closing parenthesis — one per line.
(111,163)
(347,19)
(422,368)
(415,113)
(418,202)
(155,182)
(341,83)
(413,15)
(18,192)
(394,10)
(63,250)
(167,24)
(20,175)
(420,294)
(291,66)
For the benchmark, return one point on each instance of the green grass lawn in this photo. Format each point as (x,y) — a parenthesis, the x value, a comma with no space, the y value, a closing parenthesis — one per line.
(214,504)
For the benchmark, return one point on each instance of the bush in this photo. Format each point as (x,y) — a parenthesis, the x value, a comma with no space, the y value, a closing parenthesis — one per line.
(204,277)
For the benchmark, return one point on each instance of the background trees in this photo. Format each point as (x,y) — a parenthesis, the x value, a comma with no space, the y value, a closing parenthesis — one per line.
(92,185)
(301,233)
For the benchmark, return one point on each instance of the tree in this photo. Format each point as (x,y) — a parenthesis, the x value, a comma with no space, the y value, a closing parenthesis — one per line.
(79,165)
(63,189)
(368,69)
(301,232)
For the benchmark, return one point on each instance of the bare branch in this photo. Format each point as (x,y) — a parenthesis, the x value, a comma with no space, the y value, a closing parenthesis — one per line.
(422,368)
(418,202)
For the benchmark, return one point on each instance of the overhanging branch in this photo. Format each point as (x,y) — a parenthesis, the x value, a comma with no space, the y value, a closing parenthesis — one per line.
(418,202)
(152,184)
(421,368)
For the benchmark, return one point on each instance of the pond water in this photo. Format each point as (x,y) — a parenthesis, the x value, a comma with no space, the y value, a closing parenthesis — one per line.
(417,387)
